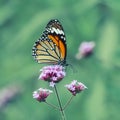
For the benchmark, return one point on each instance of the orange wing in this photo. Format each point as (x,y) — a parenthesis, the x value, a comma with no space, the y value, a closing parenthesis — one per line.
(51,47)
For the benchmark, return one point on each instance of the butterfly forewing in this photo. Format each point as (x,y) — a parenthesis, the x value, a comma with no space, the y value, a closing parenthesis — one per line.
(51,46)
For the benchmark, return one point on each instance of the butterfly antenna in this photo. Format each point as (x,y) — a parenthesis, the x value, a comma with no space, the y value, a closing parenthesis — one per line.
(71,66)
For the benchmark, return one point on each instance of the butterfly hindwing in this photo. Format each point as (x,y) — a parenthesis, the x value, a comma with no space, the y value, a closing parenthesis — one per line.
(51,46)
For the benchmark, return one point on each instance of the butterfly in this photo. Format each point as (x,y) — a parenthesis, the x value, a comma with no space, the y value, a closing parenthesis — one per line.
(51,47)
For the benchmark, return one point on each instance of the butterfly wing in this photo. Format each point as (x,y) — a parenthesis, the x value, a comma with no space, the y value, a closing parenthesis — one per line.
(51,46)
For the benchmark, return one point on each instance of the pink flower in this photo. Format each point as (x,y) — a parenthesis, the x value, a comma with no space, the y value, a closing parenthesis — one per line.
(85,49)
(75,87)
(52,74)
(41,94)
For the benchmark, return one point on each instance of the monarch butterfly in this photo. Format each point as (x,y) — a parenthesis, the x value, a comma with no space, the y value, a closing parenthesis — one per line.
(51,46)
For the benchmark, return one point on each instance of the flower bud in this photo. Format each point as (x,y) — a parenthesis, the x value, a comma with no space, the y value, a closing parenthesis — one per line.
(75,87)
(85,49)
(41,94)
(52,74)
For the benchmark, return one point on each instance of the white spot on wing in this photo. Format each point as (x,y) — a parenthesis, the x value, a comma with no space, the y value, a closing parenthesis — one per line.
(55,30)
(60,31)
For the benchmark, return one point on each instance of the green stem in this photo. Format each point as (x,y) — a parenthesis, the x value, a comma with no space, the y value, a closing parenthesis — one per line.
(68,102)
(51,105)
(60,105)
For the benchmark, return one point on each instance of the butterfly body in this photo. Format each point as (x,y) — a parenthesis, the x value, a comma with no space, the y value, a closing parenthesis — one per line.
(51,46)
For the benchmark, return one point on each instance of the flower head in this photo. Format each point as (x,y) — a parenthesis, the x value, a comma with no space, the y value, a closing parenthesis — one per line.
(41,94)
(52,74)
(75,87)
(85,49)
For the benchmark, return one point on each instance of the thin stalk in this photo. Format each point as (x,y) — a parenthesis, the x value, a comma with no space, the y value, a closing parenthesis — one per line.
(68,102)
(60,105)
(51,105)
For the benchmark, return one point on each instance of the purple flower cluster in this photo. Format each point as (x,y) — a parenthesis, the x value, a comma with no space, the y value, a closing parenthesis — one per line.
(75,87)
(85,49)
(41,94)
(52,74)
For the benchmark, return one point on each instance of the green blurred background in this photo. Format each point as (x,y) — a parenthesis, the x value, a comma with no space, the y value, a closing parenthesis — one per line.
(22,23)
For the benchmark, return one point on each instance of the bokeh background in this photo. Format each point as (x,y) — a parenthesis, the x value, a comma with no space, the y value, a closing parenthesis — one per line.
(22,23)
